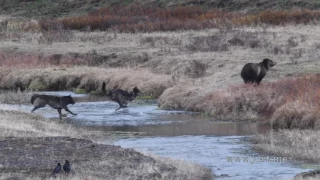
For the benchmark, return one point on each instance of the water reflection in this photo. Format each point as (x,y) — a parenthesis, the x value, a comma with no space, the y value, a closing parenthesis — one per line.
(193,127)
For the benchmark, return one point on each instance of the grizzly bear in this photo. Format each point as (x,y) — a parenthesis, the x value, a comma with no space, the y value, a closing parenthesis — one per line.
(253,73)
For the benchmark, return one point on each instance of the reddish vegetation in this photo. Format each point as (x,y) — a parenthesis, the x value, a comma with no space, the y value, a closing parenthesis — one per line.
(279,17)
(288,103)
(138,18)
(145,19)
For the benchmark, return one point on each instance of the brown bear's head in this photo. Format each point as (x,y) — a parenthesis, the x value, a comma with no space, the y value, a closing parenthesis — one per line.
(268,63)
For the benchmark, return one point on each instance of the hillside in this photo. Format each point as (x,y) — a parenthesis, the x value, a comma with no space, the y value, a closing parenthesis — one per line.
(60,8)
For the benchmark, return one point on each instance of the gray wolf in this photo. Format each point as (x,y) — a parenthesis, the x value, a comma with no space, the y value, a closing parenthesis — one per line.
(253,73)
(120,96)
(56,102)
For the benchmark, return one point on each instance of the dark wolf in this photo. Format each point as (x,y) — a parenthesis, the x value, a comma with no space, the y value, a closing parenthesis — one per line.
(56,102)
(120,96)
(253,73)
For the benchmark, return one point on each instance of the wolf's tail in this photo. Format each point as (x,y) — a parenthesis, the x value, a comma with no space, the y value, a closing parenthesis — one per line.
(109,93)
(34,97)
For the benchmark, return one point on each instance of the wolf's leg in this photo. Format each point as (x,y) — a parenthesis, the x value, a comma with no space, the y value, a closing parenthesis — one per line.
(66,108)
(60,116)
(38,103)
(118,108)
(34,108)
(37,107)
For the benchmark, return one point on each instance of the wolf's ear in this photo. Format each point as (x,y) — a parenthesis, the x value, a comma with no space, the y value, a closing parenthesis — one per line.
(104,87)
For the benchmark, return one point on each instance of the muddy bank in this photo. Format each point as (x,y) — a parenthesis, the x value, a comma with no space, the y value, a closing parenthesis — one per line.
(35,157)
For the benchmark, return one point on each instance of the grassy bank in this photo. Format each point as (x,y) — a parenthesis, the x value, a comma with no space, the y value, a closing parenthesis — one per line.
(87,78)
(287,103)
(296,144)
(301,145)
(16,124)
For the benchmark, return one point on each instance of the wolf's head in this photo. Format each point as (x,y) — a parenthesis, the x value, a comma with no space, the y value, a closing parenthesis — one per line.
(136,91)
(68,100)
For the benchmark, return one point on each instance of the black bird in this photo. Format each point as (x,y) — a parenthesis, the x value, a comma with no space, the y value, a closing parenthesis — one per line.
(67,167)
(56,170)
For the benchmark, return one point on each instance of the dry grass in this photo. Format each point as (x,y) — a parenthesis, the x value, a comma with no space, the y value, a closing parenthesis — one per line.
(280,17)
(139,18)
(292,144)
(297,144)
(87,78)
(170,52)
(188,169)
(19,124)
(12,97)
(288,103)
(95,170)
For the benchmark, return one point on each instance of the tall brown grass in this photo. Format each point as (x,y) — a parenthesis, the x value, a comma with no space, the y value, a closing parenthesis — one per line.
(87,78)
(288,103)
(296,144)
(140,18)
